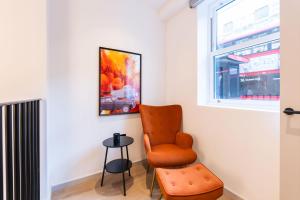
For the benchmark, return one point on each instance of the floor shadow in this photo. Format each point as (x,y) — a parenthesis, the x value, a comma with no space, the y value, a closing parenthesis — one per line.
(113,184)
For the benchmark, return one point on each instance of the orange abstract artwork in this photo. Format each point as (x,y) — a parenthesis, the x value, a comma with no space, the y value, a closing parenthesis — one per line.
(120,82)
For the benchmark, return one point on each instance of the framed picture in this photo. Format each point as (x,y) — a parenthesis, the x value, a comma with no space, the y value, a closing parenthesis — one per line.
(120,82)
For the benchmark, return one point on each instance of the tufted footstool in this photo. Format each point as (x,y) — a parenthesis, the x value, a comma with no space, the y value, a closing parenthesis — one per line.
(191,183)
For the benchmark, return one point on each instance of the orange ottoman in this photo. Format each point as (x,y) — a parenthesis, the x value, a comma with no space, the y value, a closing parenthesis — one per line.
(190,183)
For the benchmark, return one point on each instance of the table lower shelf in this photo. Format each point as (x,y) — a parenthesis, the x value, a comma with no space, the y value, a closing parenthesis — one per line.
(118,166)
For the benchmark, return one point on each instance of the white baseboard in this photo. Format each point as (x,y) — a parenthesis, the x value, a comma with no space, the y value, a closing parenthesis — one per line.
(232,195)
(83,181)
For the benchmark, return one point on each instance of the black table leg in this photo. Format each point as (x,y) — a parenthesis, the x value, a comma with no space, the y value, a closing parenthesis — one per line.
(128,160)
(104,167)
(124,188)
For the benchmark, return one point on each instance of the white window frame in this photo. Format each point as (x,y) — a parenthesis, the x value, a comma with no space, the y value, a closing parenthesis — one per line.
(212,51)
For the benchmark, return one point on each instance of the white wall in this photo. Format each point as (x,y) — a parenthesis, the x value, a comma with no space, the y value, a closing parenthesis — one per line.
(23,60)
(76,30)
(240,146)
(170,7)
(290,96)
(22,50)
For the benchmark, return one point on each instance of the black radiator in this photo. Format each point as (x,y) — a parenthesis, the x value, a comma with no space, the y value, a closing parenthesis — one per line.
(20,150)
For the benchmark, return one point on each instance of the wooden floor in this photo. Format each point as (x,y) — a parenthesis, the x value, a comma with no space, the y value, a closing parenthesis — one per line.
(137,187)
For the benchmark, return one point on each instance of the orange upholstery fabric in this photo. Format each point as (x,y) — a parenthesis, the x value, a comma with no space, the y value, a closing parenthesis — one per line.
(190,183)
(161,123)
(184,140)
(165,145)
(147,143)
(170,155)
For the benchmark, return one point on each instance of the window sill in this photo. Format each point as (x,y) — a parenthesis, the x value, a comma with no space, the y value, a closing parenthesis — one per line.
(258,108)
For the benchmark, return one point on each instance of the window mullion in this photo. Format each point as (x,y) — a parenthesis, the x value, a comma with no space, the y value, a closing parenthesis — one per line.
(274,36)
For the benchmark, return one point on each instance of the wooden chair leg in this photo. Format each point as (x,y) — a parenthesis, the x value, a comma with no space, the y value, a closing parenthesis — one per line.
(160,197)
(152,183)
(148,168)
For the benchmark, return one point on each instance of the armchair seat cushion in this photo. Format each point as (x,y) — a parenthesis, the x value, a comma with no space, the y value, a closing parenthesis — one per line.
(170,155)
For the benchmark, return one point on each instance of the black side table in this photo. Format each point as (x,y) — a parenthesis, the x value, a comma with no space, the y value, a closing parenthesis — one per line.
(119,165)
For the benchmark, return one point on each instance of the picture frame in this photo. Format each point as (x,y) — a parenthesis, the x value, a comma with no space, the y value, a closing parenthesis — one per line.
(120,84)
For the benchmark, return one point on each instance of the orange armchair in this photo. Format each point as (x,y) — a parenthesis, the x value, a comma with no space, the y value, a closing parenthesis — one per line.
(165,144)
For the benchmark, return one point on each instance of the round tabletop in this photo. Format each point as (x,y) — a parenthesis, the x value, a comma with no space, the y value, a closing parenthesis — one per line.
(124,141)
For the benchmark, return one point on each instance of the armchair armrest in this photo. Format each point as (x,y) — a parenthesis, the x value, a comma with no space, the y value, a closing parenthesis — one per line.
(184,140)
(147,143)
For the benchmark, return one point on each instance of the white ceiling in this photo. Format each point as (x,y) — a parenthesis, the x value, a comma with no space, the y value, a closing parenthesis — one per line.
(156,4)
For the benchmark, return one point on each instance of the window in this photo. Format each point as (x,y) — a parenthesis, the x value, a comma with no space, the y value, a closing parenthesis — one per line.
(244,56)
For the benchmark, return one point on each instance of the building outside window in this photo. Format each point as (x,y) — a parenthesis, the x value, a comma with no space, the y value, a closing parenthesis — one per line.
(244,58)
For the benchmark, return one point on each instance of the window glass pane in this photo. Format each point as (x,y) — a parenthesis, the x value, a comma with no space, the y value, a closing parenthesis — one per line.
(243,20)
(252,73)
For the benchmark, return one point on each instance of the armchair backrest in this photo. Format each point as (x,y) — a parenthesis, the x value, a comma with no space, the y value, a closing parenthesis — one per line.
(161,123)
